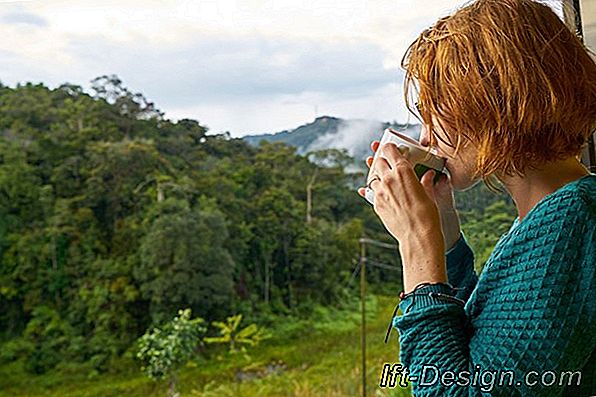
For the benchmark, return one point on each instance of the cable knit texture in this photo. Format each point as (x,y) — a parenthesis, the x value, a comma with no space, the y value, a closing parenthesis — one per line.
(532,308)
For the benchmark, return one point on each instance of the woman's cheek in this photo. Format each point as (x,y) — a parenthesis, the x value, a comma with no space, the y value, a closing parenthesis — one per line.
(458,180)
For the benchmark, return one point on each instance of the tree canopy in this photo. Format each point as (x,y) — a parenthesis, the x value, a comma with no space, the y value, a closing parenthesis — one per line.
(113,217)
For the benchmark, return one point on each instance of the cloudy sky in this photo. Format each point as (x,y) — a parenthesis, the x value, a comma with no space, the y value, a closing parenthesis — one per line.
(244,66)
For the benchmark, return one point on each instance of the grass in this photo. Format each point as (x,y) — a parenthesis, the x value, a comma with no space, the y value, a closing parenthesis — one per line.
(318,357)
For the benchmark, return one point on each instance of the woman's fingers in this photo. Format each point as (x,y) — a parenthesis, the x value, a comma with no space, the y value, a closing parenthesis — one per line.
(394,154)
(427,183)
(382,166)
(374,145)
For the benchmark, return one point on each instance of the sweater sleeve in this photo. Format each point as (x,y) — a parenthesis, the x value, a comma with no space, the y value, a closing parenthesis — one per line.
(460,268)
(533,310)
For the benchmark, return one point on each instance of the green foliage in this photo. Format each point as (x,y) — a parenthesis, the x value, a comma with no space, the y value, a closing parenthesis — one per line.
(479,197)
(103,305)
(483,231)
(162,351)
(15,348)
(304,363)
(231,334)
(322,255)
(183,260)
(47,337)
(327,319)
(112,217)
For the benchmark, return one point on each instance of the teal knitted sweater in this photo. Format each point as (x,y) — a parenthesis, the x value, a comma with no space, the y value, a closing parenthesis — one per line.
(528,321)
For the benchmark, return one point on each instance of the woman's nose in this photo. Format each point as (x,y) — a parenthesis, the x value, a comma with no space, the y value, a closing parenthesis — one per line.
(424,138)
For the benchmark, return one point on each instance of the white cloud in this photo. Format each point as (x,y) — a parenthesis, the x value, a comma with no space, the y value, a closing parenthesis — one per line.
(272,114)
(238,65)
(23,17)
(212,68)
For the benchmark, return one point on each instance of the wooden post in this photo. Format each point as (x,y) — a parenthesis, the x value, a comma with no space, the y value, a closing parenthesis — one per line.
(363,311)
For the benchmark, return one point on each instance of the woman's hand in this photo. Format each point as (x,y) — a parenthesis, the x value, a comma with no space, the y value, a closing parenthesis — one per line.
(408,210)
(443,196)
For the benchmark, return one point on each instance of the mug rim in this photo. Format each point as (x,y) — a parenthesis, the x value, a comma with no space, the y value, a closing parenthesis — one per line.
(406,138)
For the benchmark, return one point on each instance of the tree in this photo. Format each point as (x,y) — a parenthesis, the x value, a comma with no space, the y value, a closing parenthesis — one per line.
(183,261)
(112,218)
(484,230)
(163,351)
(322,256)
(47,337)
(112,173)
(279,218)
(129,107)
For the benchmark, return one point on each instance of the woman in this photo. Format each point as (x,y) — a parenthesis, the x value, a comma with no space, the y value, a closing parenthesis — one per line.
(507,93)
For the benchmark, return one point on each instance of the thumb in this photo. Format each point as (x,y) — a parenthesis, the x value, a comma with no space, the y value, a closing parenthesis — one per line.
(427,183)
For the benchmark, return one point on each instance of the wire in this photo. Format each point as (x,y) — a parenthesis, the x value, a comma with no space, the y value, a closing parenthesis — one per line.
(354,273)
(373,263)
(383,265)
(377,243)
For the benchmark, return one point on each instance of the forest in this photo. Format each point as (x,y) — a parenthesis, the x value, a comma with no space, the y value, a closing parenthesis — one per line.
(113,218)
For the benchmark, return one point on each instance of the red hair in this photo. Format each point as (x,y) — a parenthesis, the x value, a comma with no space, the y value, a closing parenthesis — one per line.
(508,76)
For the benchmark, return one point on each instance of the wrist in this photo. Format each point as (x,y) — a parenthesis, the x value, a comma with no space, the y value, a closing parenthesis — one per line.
(424,244)
(451,227)
(452,242)
(423,260)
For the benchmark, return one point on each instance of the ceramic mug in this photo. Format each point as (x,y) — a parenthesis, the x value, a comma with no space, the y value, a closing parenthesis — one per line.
(423,158)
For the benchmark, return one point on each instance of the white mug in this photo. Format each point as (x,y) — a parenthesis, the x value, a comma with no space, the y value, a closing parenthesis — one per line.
(423,158)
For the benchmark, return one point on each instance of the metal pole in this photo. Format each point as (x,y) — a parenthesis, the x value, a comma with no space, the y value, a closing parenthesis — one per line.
(363,311)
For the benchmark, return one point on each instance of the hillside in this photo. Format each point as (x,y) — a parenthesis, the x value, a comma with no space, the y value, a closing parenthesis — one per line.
(114,218)
(327,132)
(301,137)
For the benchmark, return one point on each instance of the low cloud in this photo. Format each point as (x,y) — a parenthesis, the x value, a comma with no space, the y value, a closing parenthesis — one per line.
(352,135)
(355,136)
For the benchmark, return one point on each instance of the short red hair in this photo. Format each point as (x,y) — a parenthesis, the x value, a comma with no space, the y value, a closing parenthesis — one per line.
(508,76)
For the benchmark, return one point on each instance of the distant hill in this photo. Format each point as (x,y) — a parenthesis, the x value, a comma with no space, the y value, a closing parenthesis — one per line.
(302,136)
(327,132)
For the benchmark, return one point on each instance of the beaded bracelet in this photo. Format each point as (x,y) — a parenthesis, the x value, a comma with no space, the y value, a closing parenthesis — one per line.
(436,295)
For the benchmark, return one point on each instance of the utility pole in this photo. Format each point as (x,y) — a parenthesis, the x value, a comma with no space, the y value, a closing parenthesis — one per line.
(363,310)
(363,241)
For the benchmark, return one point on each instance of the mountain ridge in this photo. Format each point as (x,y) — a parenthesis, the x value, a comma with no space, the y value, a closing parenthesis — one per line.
(326,132)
